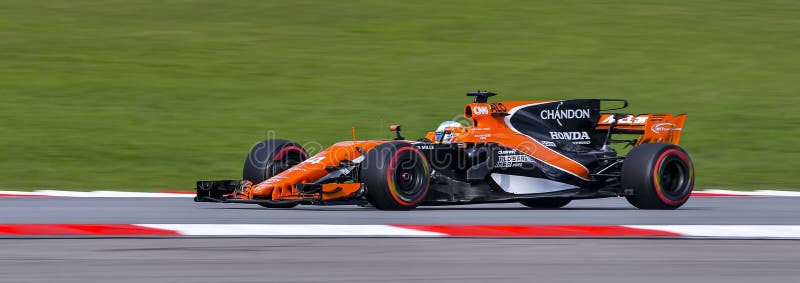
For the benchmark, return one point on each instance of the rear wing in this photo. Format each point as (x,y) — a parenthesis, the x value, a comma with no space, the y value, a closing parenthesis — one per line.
(653,128)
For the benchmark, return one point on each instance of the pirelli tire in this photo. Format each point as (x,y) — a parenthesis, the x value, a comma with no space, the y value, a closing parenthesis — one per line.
(545,203)
(660,175)
(269,158)
(397,176)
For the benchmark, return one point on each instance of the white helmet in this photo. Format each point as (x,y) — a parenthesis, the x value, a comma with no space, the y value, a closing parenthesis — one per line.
(440,131)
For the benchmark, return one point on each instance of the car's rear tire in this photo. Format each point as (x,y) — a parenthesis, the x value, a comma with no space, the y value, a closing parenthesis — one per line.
(397,176)
(269,158)
(545,203)
(660,175)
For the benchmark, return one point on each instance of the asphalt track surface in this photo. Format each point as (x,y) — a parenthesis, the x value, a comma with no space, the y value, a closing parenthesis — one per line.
(397,260)
(698,211)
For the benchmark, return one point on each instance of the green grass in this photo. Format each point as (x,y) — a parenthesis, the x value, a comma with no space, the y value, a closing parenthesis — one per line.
(153,95)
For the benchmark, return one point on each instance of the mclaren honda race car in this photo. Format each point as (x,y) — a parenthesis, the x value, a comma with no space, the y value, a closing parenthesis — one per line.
(541,153)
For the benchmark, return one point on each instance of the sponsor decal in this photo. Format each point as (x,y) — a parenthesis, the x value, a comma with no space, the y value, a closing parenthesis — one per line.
(569,136)
(505,152)
(629,120)
(483,136)
(425,147)
(575,137)
(513,161)
(559,114)
(315,160)
(548,144)
(498,108)
(664,127)
(480,110)
(276,179)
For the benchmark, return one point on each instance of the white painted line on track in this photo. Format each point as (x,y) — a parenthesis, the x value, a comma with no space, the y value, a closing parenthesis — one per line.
(779,193)
(318,230)
(412,231)
(756,193)
(729,231)
(278,230)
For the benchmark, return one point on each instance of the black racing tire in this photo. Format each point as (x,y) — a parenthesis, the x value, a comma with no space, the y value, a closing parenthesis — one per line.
(660,175)
(545,203)
(397,176)
(269,158)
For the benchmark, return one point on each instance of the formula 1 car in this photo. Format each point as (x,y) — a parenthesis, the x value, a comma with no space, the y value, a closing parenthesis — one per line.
(542,154)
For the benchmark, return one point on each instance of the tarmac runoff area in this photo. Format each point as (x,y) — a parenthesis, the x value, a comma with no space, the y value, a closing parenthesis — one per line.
(398,260)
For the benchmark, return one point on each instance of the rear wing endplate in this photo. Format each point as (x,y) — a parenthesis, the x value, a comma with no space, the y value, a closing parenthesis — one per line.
(653,128)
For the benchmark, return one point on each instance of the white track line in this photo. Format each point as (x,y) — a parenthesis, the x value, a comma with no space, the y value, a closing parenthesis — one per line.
(729,231)
(758,193)
(318,230)
(293,230)
(408,231)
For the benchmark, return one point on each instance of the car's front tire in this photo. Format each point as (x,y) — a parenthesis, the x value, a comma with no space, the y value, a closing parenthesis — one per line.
(269,158)
(397,176)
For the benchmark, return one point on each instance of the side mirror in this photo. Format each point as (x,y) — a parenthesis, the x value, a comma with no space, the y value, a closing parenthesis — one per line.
(396,130)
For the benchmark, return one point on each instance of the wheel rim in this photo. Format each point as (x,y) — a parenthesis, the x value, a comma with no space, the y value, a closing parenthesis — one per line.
(673,178)
(409,178)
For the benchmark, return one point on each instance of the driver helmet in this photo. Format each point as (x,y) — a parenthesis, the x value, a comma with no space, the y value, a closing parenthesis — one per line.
(445,138)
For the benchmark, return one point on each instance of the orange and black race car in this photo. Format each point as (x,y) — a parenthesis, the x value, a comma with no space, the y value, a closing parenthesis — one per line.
(541,153)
